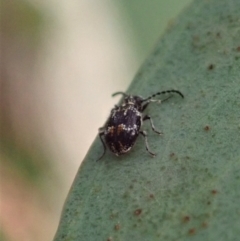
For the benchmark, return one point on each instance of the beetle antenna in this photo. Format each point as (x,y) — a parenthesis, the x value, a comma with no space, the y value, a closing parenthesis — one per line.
(164,92)
(119,93)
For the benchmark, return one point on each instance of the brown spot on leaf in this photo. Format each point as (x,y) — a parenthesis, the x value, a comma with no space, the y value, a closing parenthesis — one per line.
(211,66)
(207,128)
(195,38)
(151,196)
(117,227)
(114,215)
(137,212)
(192,231)
(214,191)
(186,219)
(238,48)
(173,156)
(204,225)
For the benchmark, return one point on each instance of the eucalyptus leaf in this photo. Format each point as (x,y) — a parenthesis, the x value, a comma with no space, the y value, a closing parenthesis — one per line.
(191,189)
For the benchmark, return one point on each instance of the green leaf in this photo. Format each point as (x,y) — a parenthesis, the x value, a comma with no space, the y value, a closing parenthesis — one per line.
(147,20)
(191,190)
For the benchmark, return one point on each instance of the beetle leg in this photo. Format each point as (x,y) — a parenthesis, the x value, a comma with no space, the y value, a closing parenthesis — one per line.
(147,117)
(101,133)
(145,106)
(152,100)
(144,134)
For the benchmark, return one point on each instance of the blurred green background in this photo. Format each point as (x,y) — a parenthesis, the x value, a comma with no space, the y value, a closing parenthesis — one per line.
(60,62)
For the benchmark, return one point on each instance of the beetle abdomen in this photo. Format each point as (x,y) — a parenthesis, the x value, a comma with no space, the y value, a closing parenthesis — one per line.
(122,129)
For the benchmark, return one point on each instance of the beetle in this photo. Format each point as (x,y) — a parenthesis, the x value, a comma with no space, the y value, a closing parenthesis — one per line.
(125,121)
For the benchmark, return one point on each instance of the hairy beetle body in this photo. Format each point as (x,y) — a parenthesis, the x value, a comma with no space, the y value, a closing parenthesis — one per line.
(124,124)
(122,129)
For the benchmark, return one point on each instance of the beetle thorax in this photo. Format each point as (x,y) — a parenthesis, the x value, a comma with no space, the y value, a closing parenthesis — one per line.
(135,101)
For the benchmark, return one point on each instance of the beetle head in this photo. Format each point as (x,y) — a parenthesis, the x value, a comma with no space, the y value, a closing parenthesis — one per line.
(136,101)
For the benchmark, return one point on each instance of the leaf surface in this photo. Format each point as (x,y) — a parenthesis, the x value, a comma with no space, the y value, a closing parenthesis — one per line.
(191,189)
